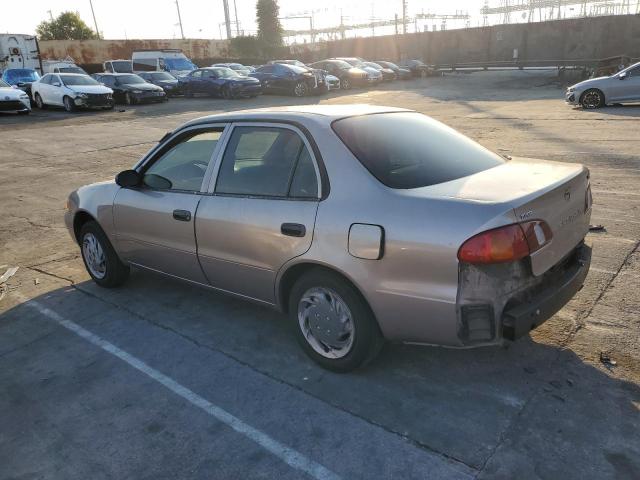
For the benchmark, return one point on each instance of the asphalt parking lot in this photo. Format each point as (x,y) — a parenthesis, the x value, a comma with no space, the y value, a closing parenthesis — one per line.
(158,379)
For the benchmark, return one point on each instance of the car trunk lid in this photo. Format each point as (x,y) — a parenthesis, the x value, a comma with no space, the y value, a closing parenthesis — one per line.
(535,190)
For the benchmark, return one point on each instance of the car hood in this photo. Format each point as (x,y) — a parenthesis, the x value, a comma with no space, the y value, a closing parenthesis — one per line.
(244,80)
(371,71)
(90,89)
(356,71)
(149,87)
(8,93)
(590,82)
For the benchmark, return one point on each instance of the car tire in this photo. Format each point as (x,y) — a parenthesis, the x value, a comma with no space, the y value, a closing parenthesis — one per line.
(592,98)
(100,258)
(39,103)
(321,292)
(226,93)
(128,99)
(300,89)
(345,83)
(188,93)
(24,112)
(69,106)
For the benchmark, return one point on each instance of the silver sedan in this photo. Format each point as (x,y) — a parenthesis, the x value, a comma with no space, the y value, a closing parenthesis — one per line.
(621,87)
(364,223)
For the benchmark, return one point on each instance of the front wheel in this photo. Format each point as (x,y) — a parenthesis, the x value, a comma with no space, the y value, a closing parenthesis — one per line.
(300,89)
(100,258)
(333,323)
(128,99)
(592,98)
(69,106)
(39,103)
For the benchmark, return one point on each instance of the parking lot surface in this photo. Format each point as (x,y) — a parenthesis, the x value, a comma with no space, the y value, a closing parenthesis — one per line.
(159,379)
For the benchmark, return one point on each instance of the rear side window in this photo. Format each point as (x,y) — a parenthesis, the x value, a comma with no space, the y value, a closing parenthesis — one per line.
(410,150)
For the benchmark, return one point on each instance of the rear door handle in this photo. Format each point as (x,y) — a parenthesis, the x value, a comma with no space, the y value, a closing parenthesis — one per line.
(293,229)
(182,215)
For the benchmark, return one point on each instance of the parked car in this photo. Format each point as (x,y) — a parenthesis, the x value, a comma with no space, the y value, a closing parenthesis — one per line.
(349,76)
(130,88)
(118,66)
(61,66)
(621,87)
(237,67)
(333,82)
(71,91)
(374,76)
(164,80)
(220,81)
(417,68)
(323,85)
(401,73)
(13,99)
(388,75)
(290,79)
(21,78)
(171,60)
(436,240)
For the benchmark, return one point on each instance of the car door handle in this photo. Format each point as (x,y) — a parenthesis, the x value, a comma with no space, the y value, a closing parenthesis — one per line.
(293,229)
(182,215)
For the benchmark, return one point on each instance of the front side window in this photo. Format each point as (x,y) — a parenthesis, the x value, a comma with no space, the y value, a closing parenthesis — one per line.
(267,161)
(129,80)
(196,74)
(411,150)
(183,166)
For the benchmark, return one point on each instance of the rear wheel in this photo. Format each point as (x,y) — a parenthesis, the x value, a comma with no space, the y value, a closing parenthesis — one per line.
(226,92)
(345,83)
(69,106)
(592,98)
(333,323)
(188,93)
(100,258)
(128,99)
(39,103)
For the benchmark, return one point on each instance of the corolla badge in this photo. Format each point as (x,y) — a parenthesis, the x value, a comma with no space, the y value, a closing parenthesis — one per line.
(525,215)
(567,195)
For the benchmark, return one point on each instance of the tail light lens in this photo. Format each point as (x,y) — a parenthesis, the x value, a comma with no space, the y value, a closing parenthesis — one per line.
(505,244)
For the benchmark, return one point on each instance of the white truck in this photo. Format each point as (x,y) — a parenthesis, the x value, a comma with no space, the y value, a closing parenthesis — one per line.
(170,60)
(117,66)
(68,65)
(19,51)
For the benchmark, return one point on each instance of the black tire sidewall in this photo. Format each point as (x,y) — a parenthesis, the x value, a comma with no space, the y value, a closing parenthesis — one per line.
(70,107)
(117,272)
(40,104)
(367,337)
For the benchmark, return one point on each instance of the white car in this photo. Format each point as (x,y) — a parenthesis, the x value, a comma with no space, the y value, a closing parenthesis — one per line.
(621,87)
(71,91)
(13,99)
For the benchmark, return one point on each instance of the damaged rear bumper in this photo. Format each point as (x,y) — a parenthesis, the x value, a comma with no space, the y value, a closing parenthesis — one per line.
(506,301)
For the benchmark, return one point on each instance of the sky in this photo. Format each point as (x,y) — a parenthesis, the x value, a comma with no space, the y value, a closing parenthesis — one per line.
(119,19)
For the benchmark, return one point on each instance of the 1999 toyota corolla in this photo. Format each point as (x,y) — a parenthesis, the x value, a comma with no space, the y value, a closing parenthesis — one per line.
(363,223)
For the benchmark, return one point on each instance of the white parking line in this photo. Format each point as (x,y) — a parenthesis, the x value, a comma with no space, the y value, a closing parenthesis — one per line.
(290,456)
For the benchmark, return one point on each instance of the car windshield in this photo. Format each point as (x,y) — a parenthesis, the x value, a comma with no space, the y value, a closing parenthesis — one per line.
(159,76)
(122,66)
(296,69)
(71,70)
(373,65)
(626,70)
(226,73)
(70,80)
(237,66)
(129,79)
(4,84)
(411,150)
(389,64)
(297,63)
(179,64)
(17,75)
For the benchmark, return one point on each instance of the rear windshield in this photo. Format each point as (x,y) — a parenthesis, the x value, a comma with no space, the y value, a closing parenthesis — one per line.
(411,150)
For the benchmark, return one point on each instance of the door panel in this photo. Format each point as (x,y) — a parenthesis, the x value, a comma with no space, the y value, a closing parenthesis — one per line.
(240,243)
(149,235)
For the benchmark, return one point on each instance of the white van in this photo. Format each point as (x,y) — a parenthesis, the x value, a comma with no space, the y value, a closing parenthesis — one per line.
(61,66)
(170,60)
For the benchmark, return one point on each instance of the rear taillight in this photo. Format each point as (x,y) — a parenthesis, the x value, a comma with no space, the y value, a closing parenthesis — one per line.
(505,244)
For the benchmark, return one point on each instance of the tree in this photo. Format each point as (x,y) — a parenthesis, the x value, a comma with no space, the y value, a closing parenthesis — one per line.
(67,26)
(269,27)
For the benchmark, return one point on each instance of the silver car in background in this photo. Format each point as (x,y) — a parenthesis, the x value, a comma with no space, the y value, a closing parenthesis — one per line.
(621,87)
(364,223)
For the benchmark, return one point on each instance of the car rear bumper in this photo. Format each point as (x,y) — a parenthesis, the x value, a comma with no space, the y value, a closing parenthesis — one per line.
(519,319)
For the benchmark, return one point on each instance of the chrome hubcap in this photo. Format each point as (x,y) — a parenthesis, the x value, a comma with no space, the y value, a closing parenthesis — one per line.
(326,322)
(591,99)
(94,256)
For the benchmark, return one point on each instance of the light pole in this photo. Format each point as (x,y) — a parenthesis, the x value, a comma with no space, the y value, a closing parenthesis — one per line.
(180,20)
(94,19)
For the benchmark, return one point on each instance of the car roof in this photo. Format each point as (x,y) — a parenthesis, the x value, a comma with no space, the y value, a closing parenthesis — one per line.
(324,114)
(69,74)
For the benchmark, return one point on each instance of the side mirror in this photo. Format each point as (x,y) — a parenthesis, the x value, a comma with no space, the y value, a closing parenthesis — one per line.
(128,179)
(622,76)
(56,84)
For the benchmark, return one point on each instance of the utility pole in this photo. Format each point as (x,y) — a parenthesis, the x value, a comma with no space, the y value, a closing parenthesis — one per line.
(50,15)
(235,8)
(404,16)
(180,20)
(94,19)
(227,20)
(396,24)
